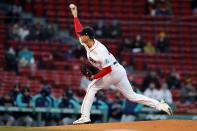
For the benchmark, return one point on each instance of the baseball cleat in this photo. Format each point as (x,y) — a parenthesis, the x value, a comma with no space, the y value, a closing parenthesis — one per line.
(166,108)
(82,120)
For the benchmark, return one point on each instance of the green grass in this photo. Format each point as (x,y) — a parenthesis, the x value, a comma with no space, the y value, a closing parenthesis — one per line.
(3,128)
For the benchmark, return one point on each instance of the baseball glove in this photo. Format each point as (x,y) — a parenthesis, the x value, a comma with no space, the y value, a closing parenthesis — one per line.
(88,70)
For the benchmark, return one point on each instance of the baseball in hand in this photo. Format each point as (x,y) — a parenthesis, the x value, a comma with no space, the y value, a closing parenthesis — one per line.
(72,6)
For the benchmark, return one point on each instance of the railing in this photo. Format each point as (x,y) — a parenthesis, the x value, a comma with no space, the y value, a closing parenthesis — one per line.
(39,111)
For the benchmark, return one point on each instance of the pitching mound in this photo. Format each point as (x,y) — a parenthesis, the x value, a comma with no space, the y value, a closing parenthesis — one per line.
(161,125)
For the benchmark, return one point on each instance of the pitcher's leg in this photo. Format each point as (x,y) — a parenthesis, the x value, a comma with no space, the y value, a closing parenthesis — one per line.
(125,87)
(89,97)
(88,101)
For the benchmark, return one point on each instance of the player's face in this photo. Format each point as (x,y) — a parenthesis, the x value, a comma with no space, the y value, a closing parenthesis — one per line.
(84,38)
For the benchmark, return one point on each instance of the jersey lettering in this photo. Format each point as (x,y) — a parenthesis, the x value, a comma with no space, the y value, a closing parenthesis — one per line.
(92,60)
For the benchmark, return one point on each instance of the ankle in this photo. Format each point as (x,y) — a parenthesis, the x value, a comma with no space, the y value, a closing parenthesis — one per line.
(85,115)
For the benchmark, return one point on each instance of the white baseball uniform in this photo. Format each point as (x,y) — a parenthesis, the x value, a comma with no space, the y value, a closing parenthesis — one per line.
(100,57)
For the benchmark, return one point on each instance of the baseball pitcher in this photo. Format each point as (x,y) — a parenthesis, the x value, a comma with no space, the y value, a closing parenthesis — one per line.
(110,73)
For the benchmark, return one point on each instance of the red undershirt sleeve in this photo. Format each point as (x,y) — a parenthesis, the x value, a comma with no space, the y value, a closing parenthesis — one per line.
(78,26)
(103,72)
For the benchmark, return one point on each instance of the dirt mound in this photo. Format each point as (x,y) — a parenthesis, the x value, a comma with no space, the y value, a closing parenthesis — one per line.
(159,125)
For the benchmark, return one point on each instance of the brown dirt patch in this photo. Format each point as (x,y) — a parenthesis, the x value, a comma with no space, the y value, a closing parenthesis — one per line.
(159,125)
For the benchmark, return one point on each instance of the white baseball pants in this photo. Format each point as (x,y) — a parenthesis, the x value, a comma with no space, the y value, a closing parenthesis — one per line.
(118,78)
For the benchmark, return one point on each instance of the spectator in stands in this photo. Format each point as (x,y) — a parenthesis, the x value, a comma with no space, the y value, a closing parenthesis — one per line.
(43,33)
(150,7)
(162,43)
(114,30)
(149,48)
(15,92)
(25,57)
(41,63)
(44,99)
(67,102)
(188,93)
(194,6)
(131,109)
(36,32)
(164,8)
(159,93)
(68,54)
(6,118)
(23,32)
(187,79)
(100,29)
(116,108)
(102,96)
(46,87)
(138,44)
(48,32)
(13,14)
(128,67)
(62,36)
(79,51)
(150,91)
(126,45)
(166,93)
(173,80)
(69,92)
(24,100)
(151,77)
(11,60)
(13,32)
(100,103)
(57,54)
